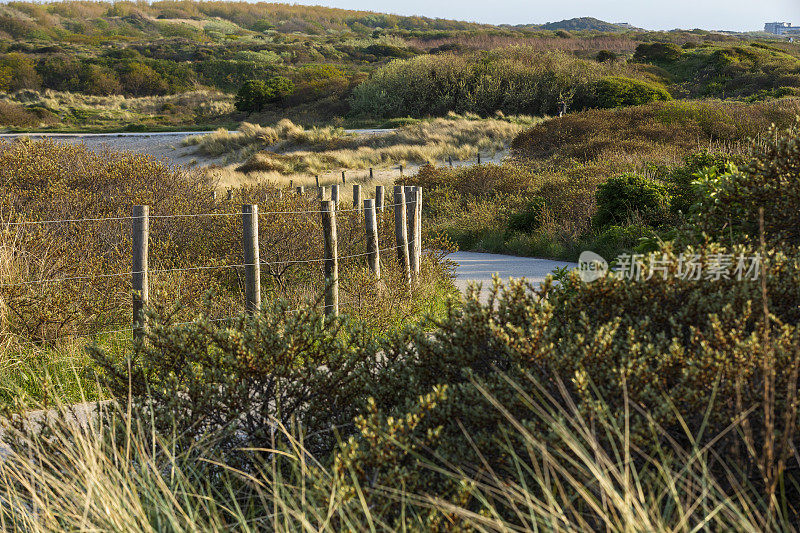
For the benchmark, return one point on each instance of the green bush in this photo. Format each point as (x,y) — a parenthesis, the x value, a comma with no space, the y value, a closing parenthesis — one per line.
(255,95)
(604,55)
(657,52)
(618,91)
(529,218)
(623,197)
(729,198)
(614,240)
(515,81)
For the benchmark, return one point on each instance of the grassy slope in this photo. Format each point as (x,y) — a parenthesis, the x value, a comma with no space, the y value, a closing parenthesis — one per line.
(165,48)
(563,160)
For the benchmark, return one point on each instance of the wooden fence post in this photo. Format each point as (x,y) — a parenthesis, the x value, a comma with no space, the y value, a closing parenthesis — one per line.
(335,195)
(141,247)
(230,194)
(357,196)
(301,190)
(419,225)
(317,180)
(342,177)
(401,170)
(373,251)
(252,261)
(321,193)
(400,230)
(413,226)
(450,160)
(479,158)
(370,173)
(328,209)
(379,195)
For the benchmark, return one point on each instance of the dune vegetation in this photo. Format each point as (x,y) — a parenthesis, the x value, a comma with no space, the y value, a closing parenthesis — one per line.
(645,400)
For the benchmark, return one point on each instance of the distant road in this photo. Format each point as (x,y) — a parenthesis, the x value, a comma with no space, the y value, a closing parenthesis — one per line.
(56,135)
(161,144)
(476,267)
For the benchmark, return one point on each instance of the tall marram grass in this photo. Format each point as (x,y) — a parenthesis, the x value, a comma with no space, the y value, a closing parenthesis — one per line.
(287,148)
(105,472)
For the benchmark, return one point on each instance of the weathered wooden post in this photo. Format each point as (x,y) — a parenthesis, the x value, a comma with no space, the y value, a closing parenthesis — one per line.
(328,209)
(450,160)
(230,194)
(419,225)
(279,194)
(401,170)
(317,180)
(141,247)
(370,173)
(343,177)
(357,196)
(413,226)
(379,195)
(373,251)
(252,260)
(291,184)
(479,158)
(321,192)
(335,195)
(301,190)
(401,231)
(214,196)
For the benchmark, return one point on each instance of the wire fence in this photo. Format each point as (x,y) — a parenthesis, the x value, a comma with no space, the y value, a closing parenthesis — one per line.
(407,215)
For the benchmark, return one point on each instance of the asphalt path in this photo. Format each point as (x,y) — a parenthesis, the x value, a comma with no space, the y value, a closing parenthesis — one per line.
(478,268)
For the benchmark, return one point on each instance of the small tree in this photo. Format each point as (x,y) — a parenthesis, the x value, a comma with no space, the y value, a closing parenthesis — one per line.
(255,95)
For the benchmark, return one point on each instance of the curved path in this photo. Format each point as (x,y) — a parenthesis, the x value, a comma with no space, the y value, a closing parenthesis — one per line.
(474,267)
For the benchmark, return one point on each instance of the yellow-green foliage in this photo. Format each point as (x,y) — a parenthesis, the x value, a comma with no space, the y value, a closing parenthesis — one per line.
(44,181)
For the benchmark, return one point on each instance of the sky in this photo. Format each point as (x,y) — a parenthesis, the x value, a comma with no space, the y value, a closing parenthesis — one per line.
(733,15)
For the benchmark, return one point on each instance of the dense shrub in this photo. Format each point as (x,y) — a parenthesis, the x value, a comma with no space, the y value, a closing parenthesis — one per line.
(382,51)
(529,218)
(626,196)
(514,81)
(729,198)
(18,72)
(605,55)
(255,95)
(657,52)
(618,91)
(52,181)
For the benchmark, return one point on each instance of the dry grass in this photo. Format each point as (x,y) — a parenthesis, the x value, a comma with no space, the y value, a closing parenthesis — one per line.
(75,109)
(290,149)
(86,476)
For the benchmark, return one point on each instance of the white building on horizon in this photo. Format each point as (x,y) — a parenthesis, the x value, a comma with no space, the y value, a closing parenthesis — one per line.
(780,28)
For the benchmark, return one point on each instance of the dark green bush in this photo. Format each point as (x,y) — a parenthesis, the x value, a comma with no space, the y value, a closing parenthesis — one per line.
(629,195)
(683,194)
(657,52)
(618,91)
(529,218)
(614,240)
(255,95)
(729,198)
(381,51)
(604,55)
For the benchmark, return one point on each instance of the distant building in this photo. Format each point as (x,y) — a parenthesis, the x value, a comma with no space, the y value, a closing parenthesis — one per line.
(781,28)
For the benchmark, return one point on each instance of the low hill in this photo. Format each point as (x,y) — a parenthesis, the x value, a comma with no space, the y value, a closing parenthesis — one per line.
(583,23)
